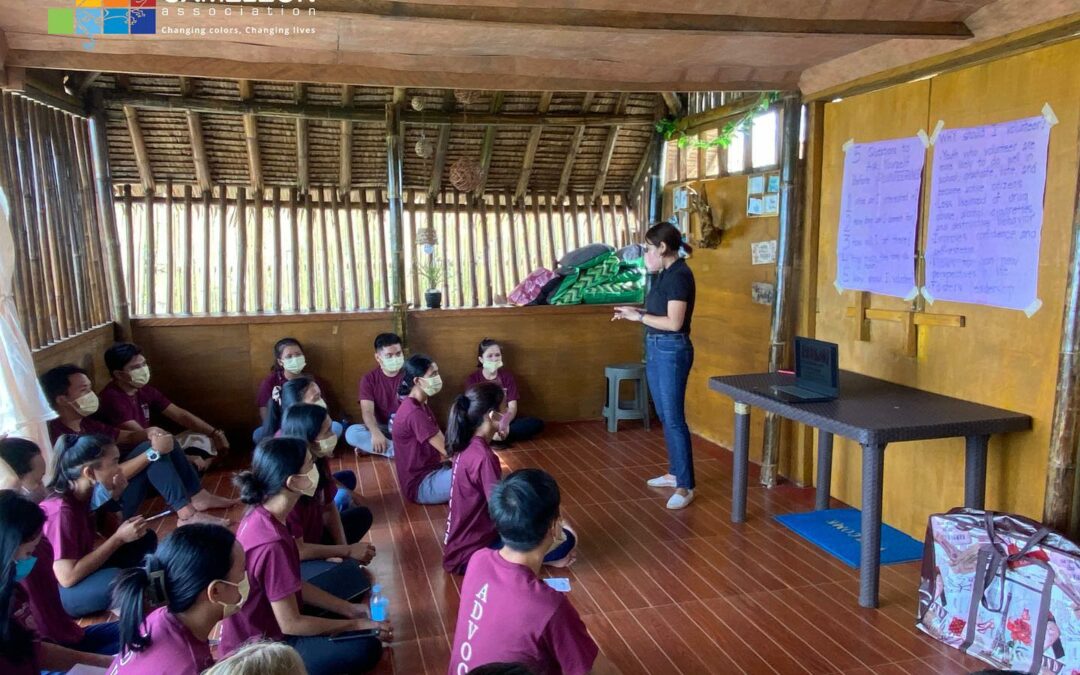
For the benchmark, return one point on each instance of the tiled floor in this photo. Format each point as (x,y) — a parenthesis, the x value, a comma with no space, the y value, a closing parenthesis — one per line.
(660,591)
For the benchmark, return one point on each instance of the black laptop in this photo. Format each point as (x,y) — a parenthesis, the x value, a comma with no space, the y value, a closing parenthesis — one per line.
(817,373)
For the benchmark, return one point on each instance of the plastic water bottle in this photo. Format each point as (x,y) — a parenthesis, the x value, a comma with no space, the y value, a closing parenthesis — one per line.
(378,604)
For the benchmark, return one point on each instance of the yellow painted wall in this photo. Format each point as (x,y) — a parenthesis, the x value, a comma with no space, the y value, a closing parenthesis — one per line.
(730,332)
(1001,357)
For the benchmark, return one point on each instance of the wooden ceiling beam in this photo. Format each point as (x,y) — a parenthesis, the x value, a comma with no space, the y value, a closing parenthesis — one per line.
(638,22)
(575,143)
(673,103)
(198,144)
(609,149)
(345,175)
(489,145)
(138,143)
(435,184)
(301,142)
(369,116)
(530,149)
(251,136)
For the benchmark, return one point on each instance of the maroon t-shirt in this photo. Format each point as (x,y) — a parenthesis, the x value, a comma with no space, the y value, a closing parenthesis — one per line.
(173,649)
(414,456)
(52,621)
(69,526)
(508,614)
(469,527)
(503,377)
(306,519)
(20,612)
(277,379)
(382,390)
(273,569)
(118,407)
(88,425)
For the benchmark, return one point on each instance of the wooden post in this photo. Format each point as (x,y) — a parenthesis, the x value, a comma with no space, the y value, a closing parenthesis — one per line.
(324,239)
(223,208)
(187,288)
(535,199)
(169,257)
(394,169)
(380,212)
(129,249)
(485,246)
(414,249)
(555,255)
(470,247)
(579,240)
(151,252)
(458,269)
(369,260)
(350,236)
(257,250)
(207,196)
(276,286)
(500,256)
(339,257)
(444,241)
(294,241)
(241,250)
(786,283)
(309,227)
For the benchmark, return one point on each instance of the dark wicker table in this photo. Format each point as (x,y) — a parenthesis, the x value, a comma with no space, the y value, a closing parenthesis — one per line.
(873,413)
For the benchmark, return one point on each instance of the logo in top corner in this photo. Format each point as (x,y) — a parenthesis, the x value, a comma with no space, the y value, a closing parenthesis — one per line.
(91,18)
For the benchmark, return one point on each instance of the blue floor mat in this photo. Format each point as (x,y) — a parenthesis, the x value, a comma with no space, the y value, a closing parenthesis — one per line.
(838,532)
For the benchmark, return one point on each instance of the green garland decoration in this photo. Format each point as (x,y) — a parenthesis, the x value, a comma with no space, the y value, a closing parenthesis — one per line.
(670,129)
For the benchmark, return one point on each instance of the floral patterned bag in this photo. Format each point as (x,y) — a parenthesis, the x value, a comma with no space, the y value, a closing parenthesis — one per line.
(1002,588)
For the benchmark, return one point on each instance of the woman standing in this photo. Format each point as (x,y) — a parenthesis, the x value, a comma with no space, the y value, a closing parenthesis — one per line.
(669,354)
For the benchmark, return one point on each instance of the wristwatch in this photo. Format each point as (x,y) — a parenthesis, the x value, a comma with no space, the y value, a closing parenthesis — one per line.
(152,455)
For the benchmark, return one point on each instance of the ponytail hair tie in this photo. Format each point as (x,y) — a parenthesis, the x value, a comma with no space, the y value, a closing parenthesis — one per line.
(276,395)
(155,589)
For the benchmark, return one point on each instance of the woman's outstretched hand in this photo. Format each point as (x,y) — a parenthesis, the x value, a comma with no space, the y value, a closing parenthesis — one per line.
(623,313)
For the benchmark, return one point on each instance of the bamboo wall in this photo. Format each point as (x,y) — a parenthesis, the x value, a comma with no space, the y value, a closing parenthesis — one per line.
(1000,357)
(236,251)
(46,172)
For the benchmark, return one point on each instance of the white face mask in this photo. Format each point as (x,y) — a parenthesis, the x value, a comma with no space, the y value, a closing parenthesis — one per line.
(294,364)
(493,366)
(327,445)
(313,477)
(321,403)
(431,385)
(243,588)
(393,364)
(140,376)
(87,404)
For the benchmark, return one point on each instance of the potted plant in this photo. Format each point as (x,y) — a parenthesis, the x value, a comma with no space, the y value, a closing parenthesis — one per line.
(431,271)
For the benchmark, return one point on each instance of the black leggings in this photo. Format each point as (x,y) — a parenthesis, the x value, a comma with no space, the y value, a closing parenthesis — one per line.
(323,656)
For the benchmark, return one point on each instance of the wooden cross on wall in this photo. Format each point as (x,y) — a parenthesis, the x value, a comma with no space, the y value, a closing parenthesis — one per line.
(911,320)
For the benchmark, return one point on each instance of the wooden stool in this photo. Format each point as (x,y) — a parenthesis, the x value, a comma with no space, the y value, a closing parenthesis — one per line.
(636,408)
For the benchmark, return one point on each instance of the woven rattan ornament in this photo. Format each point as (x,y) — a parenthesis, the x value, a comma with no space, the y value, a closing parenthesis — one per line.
(417,103)
(466,174)
(426,239)
(467,96)
(425,148)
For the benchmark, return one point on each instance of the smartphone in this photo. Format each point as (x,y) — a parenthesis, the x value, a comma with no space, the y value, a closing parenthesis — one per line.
(370,632)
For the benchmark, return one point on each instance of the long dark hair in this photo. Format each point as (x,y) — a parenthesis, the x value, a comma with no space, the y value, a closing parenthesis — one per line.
(20,521)
(73,452)
(669,235)
(292,392)
(279,347)
(275,460)
(305,420)
(175,576)
(468,413)
(415,366)
(19,453)
(484,345)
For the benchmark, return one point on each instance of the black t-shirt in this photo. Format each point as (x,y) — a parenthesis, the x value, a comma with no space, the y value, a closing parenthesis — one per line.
(674,283)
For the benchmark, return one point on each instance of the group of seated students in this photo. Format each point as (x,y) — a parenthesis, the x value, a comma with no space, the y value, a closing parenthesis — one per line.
(294,571)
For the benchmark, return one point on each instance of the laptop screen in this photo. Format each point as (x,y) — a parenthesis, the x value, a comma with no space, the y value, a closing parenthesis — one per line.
(815,364)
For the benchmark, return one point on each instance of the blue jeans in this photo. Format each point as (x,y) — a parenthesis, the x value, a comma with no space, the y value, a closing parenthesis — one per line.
(435,488)
(668,359)
(359,437)
(172,476)
(91,595)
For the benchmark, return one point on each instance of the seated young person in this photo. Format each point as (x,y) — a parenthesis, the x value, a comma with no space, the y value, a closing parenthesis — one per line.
(195,579)
(22,651)
(128,401)
(474,420)
(51,620)
(490,369)
(320,530)
(379,399)
(83,570)
(150,462)
(289,364)
(419,445)
(282,471)
(507,612)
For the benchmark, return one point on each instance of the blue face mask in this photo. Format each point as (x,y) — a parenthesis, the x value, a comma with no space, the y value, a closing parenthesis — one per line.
(100,497)
(23,567)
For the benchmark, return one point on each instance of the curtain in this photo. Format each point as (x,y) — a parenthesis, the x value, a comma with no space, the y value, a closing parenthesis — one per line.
(24,409)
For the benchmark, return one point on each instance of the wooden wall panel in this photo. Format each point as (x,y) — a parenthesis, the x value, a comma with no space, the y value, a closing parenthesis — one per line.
(1001,357)
(83,350)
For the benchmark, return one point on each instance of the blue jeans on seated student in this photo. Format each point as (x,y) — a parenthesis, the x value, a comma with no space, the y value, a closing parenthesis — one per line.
(435,488)
(172,476)
(323,656)
(668,359)
(91,595)
(359,437)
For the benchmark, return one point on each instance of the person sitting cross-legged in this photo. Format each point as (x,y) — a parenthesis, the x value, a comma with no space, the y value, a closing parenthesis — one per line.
(379,399)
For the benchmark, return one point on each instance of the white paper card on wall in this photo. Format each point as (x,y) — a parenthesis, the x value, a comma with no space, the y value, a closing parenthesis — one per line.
(763,252)
(679,198)
(755,206)
(879,207)
(756,185)
(762,293)
(986,212)
(771,205)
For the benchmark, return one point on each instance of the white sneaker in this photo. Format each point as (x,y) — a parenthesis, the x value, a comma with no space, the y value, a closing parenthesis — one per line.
(679,501)
(667,480)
